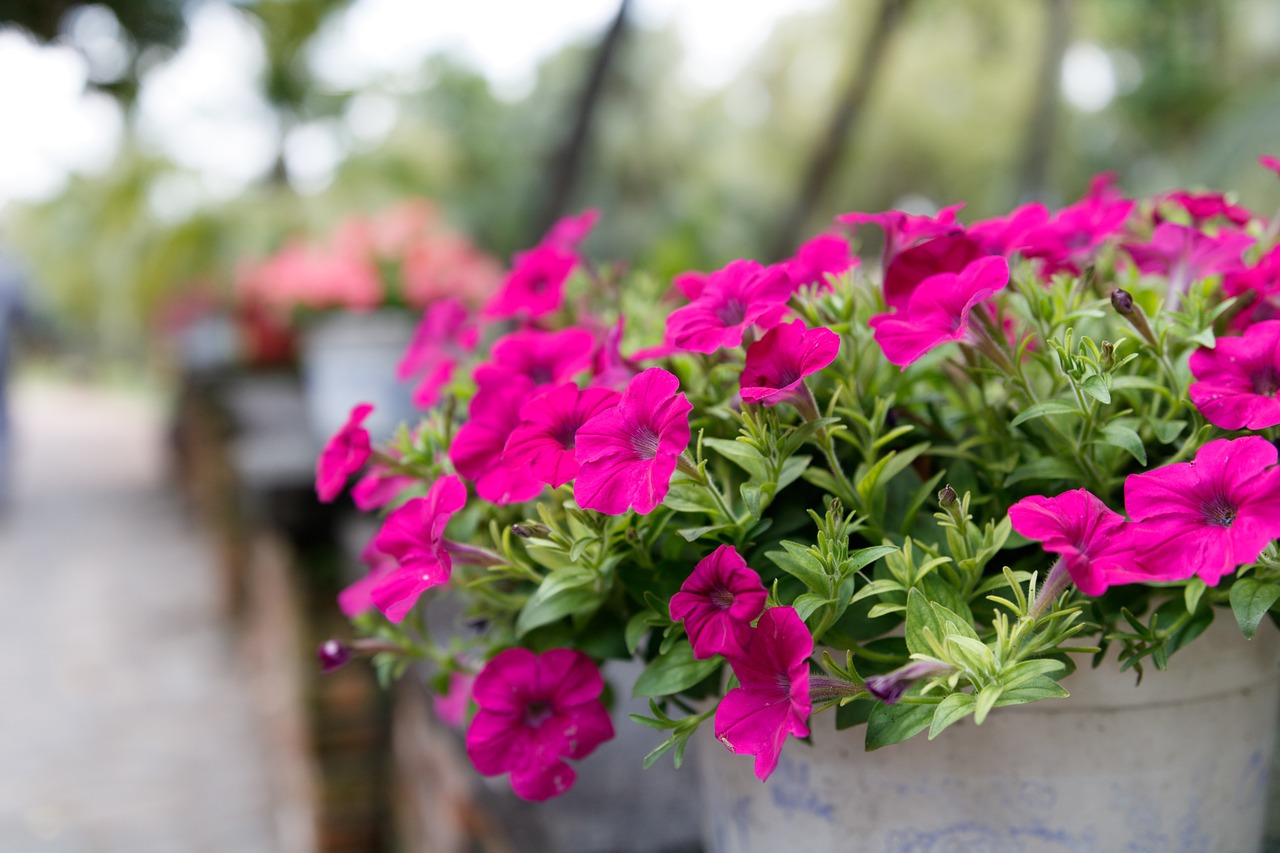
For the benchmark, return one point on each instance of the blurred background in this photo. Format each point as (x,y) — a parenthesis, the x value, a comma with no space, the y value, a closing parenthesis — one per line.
(155,155)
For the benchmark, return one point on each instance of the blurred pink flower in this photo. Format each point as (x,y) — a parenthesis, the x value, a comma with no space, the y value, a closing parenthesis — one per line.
(773,701)
(938,310)
(569,232)
(476,451)
(1185,255)
(344,454)
(534,711)
(413,535)
(357,597)
(1202,207)
(451,708)
(547,358)
(1073,236)
(904,230)
(950,253)
(718,603)
(446,333)
(1238,381)
(734,298)
(628,453)
(826,254)
(1269,162)
(1262,282)
(1002,235)
(544,441)
(777,364)
(378,487)
(535,285)
(1093,541)
(1209,516)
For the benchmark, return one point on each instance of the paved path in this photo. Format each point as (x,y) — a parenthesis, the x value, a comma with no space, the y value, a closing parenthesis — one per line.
(125,724)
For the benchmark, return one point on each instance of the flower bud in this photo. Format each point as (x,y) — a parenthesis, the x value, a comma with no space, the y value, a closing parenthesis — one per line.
(1122,301)
(528,531)
(333,654)
(891,686)
(947,497)
(1108,356)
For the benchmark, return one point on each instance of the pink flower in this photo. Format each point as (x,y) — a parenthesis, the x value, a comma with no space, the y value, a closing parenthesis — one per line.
(414,536)
(1093,541)
(824,255)
(610,367)
(544,441)
(344,454)
(904,230)
(476,451)
(535,711)
(548,358)
(1262,281)
(1209,516)
(451,708)
(445,333)
(1237,381)
(1269,162)
(569,232)
(535,285)
(777,364)
(690,283)
(379,487)
(938,310)
(1202,207)
(1185,255)
(1072,238)
(773,700)
(1002,235)
(628,453)
(942,254)
(357,597)
(718,603)
(736,297)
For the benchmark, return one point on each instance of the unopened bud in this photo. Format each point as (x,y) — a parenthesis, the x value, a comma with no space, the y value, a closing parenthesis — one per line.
(528,531)
(333,654)
(947,497)
(891,686)
(1108,356)
(1122,301)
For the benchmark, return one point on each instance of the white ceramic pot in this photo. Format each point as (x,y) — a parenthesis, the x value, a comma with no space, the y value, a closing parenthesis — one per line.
(1178,763)
(349,358)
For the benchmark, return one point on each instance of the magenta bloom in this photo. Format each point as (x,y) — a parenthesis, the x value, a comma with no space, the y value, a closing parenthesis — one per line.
(1209,516)
(942,254)
(1093,540)
(938,310)
(1202,207)
(904,230)
(548,358)
(476,451)
(535,285)
(1237,381)
(778,363)
(1269,162)
(718,602)
(414,536)
(544,441)
(824,255)
(1262,280)
(690,283)
(379,487)
(773,701)
(534,712)
(357,597)
(344,454)
(628,453)
(1073,236)
(445,333)
(1002,235)
(451,708)
(740,295)
(1185,255)
(569,232)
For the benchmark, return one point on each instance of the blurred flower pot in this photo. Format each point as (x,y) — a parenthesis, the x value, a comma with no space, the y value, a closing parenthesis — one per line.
(1179,762)
(349,358)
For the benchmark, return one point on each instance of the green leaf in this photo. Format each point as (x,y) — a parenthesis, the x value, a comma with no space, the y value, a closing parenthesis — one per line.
(1126,439)
(689,497)
(853,713)
(561,594)
(809,602)
(895,723)
(1048,407)
(1032,690)
(865,556)
(636,627)
(800,564)
(1192,593)
(1167,431)
(1096,387)
(985,701)
(954,708)
(692,533)
(1044,468)
(921,617)
(742,454)
(675,671)
(1250,601)
(792,469)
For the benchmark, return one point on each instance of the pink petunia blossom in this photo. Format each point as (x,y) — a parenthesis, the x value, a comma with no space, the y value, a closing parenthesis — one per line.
(569,232)
(1209,516)
(1266,161)
(1202,207)
(451,707)
(951,253)
(718,603)
(736,297)
(378,487)
(344,454)
(534,712)
(357,597)
(476,451)
(547,358)
(1001,235)
(1093,541)
(413,535)
(938,310)
(1238,381)
(1261,282)
(690,283)
(628,453)
(1073,237)
(445,334)
(904,230)
(610,368)
(773,701)
(535,285)
(815,260)
(777,364)
(544,441)
(1185,255)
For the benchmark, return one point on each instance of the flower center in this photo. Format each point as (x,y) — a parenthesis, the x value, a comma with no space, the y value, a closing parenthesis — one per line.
(644,441)
(732,312)
(722,598)
(1266,381)
(536,713)
(1219,511)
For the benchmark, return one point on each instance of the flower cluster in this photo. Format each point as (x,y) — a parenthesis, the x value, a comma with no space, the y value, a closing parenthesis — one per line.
(947,466)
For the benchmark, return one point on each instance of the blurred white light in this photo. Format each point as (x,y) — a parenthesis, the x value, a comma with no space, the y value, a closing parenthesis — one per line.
(370,116)
(95,31)
(312,153)
(174,196)
(1088,77)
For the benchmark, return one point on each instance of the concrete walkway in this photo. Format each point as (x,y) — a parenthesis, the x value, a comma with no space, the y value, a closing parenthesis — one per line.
(126,723)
